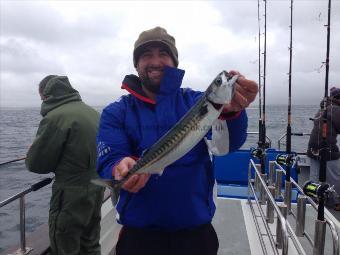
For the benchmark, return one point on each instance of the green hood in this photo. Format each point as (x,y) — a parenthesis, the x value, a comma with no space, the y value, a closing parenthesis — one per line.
(58,91)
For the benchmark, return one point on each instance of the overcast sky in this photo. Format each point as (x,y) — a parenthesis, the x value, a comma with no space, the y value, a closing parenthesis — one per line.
(92,42)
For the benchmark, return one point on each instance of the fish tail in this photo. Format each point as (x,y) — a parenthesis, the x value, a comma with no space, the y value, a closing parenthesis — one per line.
(115,191)
(113,185)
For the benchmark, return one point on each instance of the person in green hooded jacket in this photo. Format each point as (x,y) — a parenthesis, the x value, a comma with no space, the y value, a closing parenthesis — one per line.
(65,144)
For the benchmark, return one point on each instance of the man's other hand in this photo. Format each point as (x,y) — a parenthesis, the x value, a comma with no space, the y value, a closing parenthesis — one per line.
(136,181)
(245,93)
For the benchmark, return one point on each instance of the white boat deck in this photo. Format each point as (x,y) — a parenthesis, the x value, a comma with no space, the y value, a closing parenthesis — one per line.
(235,228)
(237,233)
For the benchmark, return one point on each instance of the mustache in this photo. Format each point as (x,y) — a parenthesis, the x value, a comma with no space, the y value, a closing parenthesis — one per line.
(152,68)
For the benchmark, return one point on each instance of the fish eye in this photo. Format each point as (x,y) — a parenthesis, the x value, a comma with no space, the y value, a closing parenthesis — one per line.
(218,81)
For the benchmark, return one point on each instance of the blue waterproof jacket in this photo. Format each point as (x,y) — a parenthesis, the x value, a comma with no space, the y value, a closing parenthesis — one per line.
(182,197)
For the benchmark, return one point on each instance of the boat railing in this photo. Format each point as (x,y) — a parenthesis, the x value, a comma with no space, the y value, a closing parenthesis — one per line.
(21,196)
(300,217)
(267,138)
(283,230)
(267,191)
(279,142)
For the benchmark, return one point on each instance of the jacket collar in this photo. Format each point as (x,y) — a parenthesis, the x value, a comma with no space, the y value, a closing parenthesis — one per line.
(54,102)
(170,83)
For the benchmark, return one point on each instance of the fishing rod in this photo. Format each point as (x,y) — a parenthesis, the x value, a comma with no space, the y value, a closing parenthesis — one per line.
(259,152)
(322,189)
(289,159)
(324,145)
(263,138)
(262,142)
(289,128)
(259,53)
(13,160)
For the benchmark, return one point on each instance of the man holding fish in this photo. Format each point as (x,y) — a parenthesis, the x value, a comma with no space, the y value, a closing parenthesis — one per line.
(153,156)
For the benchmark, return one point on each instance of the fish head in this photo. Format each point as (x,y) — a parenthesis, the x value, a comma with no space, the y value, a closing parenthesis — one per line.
(222,88)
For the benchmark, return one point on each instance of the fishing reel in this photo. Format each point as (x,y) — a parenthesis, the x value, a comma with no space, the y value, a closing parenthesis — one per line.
(289,160)
(317,190)
(257,153)
(263,144)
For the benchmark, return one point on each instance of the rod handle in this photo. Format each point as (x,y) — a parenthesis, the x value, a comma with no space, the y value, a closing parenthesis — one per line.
(41,184)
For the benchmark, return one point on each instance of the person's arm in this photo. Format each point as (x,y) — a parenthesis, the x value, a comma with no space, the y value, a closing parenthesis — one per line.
(235,114)
(112,140)
(114,149)
(237,127)
(334,116)
(237,123)
(44,154)
(245,93)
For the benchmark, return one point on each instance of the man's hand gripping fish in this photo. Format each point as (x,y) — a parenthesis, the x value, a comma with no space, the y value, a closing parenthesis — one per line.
(181,138)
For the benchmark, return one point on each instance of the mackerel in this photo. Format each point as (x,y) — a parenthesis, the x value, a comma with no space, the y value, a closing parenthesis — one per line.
(182,137)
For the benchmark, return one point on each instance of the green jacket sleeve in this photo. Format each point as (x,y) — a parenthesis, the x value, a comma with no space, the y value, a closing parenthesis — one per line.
(46,150)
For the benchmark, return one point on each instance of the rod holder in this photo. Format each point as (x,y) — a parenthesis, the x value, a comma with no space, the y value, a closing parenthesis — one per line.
(22,225)
(279,235)
(301,215)
(288,195)
(271,177)
(24,250)
(279,174)
(270,206)
(251,180)
(257,181)
(319,237)
(262,190)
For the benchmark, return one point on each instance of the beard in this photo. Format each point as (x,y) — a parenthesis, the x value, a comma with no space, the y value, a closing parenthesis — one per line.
(151,84)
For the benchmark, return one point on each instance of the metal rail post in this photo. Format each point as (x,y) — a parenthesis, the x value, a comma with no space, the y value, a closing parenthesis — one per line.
(262,190)
(288,195)
(270,207)
(271,177)
(278,184)
(319,237)
(279,235)
(22,225)
(301,215)
(257,182)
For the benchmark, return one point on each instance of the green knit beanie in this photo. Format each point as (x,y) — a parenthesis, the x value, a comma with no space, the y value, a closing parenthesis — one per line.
(155,36)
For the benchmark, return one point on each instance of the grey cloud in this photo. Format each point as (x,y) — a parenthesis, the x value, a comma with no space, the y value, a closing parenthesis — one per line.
(309,46)
(19,56)
(92,50)
(37,21)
